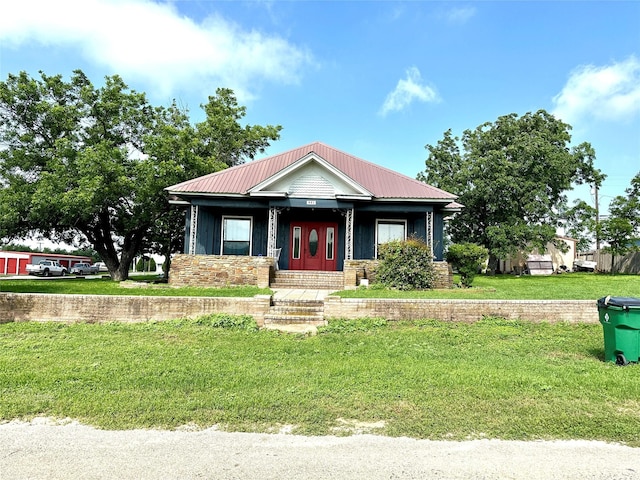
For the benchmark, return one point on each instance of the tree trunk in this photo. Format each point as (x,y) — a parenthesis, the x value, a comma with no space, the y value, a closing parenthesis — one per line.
(492,265)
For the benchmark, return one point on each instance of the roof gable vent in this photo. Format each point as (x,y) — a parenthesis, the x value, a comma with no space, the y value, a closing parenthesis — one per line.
(311,186)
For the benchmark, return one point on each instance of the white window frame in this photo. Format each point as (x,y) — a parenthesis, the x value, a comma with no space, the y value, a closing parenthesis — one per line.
(396,221)
(236,217)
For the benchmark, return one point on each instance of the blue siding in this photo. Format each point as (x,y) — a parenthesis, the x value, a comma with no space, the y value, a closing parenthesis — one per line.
(365,215)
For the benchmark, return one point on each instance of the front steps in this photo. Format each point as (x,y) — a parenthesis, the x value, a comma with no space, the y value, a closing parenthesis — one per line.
(308,279)
(295,314)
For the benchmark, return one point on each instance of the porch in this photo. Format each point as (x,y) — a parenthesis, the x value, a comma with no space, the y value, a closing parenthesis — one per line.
(226,270)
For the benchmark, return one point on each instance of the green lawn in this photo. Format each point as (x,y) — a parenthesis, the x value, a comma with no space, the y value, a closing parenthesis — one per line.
(106,286)
(573,286)
(428,379)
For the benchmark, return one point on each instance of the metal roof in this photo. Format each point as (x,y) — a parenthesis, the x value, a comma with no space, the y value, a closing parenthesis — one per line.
(382,182)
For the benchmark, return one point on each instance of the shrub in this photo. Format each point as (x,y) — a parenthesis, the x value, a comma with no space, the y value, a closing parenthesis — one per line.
(406,265)
(146,264)
(228,321)
(467,258)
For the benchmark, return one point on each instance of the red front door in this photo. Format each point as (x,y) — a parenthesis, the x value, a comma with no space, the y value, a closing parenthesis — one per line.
(313,246)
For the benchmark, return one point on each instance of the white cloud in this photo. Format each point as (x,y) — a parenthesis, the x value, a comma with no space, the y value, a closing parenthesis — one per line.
(609,93)
(407,91)
(155,43)
(459,15)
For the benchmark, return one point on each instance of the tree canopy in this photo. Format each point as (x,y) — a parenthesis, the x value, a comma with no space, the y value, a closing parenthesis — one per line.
(80,160)
(512,176)
(621,230)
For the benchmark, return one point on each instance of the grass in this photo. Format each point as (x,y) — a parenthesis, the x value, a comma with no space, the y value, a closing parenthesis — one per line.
(573,286)
(139,285)
(427,379)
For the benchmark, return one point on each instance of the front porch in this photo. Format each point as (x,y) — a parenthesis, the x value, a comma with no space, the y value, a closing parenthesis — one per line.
(227,270)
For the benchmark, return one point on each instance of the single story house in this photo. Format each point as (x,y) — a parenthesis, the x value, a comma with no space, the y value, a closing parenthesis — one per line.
(313,208)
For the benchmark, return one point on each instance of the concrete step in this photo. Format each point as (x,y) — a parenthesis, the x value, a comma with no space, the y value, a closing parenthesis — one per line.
(308,279)
(296,311)
(270,318)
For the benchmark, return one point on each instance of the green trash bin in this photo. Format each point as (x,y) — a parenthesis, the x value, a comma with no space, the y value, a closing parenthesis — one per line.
(620,319)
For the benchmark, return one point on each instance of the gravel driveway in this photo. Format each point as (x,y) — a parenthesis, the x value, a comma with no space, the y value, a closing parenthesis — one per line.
(42,449)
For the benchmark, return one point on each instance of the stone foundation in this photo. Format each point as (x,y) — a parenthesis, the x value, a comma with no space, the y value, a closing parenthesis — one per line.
(220,271)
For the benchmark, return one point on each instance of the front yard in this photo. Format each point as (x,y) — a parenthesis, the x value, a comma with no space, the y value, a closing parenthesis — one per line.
(425,379)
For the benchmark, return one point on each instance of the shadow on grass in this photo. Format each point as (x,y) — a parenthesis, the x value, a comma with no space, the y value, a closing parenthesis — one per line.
(597,353)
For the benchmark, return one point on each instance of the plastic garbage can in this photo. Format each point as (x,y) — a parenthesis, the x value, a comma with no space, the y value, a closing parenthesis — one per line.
(620,319)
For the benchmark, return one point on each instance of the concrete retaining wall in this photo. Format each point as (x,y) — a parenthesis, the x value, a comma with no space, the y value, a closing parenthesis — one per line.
(22,307)
(574,311)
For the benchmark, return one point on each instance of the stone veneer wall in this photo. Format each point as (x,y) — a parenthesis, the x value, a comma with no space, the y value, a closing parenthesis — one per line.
(220,270)
(356,270)
(573,311)
(22,307)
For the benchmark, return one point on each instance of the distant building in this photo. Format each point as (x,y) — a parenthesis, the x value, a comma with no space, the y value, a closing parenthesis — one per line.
(15,263)
(518,263)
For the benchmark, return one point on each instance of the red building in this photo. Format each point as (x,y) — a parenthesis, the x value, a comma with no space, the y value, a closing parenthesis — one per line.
(15,263)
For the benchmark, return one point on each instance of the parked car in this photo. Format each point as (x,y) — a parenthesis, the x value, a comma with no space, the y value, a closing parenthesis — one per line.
(46,268)
(101,266)
(84,269)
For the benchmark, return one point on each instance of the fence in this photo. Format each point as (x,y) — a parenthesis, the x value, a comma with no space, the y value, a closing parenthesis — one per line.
(629,263)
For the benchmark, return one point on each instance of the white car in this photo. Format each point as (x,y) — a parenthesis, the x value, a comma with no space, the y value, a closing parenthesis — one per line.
(84,269)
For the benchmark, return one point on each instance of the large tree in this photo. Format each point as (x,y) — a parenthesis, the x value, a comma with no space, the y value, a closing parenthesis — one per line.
(76,159)
(621,230)
(512,176)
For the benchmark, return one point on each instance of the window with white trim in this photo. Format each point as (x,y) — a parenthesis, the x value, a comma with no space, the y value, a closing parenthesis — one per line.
(236,235)
(390,230)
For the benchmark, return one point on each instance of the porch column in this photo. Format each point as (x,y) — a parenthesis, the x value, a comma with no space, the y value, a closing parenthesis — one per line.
(272,234)
(193,229)
(429,233)
(348,240)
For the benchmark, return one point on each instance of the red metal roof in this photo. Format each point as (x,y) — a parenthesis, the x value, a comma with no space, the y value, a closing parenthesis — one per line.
(381,182)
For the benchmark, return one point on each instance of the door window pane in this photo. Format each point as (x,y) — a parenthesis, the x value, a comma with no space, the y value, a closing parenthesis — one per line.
(313,242)
(236,236)
(330,243)
(297,232)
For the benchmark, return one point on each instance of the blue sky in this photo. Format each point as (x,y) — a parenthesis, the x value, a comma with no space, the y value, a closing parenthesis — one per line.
(377,79)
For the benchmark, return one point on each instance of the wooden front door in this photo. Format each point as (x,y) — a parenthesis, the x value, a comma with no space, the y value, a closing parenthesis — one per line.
(313,246)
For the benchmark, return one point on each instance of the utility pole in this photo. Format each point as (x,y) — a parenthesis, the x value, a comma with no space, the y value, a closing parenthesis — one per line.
(597,218)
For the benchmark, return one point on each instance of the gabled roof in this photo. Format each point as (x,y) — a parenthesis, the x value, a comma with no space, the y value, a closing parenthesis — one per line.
(367,177)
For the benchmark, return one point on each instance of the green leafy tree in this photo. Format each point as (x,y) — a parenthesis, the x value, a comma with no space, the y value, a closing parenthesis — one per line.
(621,231)
(581,224)
(76,159)
(468,259)
(511,176)
(406,265)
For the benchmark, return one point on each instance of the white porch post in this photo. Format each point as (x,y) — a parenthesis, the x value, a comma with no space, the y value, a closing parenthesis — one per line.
(429,232)
(193,229)
(348,240)
(272,234)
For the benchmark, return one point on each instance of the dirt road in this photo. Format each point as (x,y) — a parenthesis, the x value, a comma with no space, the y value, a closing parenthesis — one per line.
(42,449)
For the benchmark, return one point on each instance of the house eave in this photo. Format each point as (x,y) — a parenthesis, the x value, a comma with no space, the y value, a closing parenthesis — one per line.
(268,194)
